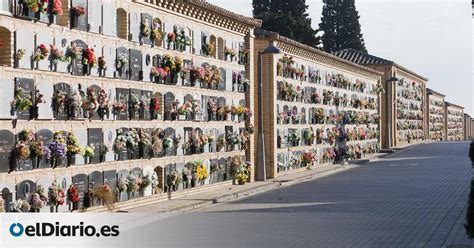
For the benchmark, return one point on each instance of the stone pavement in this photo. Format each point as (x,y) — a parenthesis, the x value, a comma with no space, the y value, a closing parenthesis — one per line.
(415,198)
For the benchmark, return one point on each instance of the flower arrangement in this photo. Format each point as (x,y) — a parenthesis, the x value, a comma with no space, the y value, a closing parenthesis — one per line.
(156,33)
(240,171)
(155,104)
(121,185)
(308,159)
(56,7)
(89,57)
(73,52)
(131,183)
(73,147)
(173,178)
(89,151)
(102,62)
(145,29)
(158,72)
(40,53)
(22,205)
(78,11)
(168,143)
(173,64)
(132,139)
(201,170)
(58,150)
(21,101)
(134,103)
(104,193)
(39,150)
(221,142)
(36,202)
(72,194)
(22,151)
(56,195)
(233,139)
(20,54)
(181,38)
(230,52)
(103,100)
(144,182)
(56,54)
(121,62)
(90,104)
(118,107)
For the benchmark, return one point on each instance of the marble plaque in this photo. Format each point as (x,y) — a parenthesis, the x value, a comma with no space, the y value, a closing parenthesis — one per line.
(122,96)
(135,20)
(94,16)
(169,99)
(7,143)
(77,67)
(24,41)
(28,86)
(24,189)
(148,19)
(110,178)
(110,55)
(109,19)
(46,39)
(122,63)
(79,22)
(136,71)
(7,89)
(60,112)
(81,182)
(46,136)
(123,174)
(95,139)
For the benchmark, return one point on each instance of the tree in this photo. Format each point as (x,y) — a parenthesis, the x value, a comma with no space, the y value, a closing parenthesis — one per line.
(288,18)
(341,27)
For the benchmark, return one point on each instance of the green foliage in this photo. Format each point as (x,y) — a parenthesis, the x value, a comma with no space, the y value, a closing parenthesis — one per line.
(288,18)
(341,27)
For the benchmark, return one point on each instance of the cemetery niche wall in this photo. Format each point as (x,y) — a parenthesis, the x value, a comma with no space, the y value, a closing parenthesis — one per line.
(115,91)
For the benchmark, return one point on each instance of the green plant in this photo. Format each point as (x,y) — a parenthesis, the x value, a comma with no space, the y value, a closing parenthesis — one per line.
(21,100)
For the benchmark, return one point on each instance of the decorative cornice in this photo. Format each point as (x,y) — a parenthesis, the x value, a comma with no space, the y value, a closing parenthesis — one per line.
(432,92)
(294,47)
(206,12)
(448,104)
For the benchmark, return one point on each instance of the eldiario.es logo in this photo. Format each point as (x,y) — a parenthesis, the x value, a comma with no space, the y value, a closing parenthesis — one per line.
(58,230)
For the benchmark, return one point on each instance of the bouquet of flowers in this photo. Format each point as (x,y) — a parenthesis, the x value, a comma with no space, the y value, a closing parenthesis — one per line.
(73,147)
(158,72)
(73,52)
(88,151)
(308,158)
(122,185)
(21,101)
(201,170)
(72,194)
(56,7)
(39,150)
(41,53)
(78,11)
(131,183)
(121,62)
(145,29)
(104,193)
(89,57)
(20,54)
(22,151)
(221,142)
(56,54)
(144,182)
(26,135)
(58,150)
(22,205)
(132,139)
(102,62)
(56,195)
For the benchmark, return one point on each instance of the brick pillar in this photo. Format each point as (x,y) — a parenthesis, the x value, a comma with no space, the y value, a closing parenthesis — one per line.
(250,100)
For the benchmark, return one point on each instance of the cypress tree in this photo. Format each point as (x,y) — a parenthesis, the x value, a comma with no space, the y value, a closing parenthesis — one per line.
(341,27)
(288,18)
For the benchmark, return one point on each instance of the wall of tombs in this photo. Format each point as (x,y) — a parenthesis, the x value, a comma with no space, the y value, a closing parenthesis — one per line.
(324,111)
(110,74)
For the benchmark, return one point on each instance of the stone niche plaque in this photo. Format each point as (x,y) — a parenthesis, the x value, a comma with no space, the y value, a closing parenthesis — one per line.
(7,143)
(95,180)
(64,182)
(110,178)
(148,19)
(6,97)
(110,55)
(44,38)
(77,66)
(109,138)
(147,65)
(24,42)
(136,65)
(95,139)
(82,138)
(62,42)
(28,86)
(145,112)
(109,18)
(122,176)
(60,112)
(135,20)
(168,101)
(24,189)
(46,136)
(44,109)
(122,63)
(137,172)
(122,96)
(96,90)
(223,165)
(124,154)
(168,170)
(81,183)
(170,133)
(94,16)
(79,22)
(134,113)
(222,84)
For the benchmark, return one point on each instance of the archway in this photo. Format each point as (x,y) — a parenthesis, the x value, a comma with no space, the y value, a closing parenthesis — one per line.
(122,23)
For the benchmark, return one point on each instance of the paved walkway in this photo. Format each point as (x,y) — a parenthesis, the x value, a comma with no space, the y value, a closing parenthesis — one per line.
(416,198)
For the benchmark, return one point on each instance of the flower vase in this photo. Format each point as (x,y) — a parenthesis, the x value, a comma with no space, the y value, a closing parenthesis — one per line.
(182,117)
(241,182)
(33,112)
(71,160)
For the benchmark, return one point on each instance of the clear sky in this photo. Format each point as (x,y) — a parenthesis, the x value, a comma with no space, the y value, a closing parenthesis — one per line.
(430,37)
